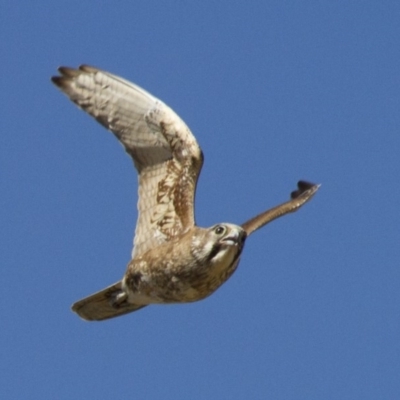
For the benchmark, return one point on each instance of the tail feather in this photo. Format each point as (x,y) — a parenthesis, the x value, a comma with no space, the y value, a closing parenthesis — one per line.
(101,305)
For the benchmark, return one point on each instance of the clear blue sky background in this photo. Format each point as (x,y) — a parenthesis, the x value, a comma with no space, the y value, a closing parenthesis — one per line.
(275,91)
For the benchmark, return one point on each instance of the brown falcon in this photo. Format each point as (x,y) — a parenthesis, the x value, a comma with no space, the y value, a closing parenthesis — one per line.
(173,260)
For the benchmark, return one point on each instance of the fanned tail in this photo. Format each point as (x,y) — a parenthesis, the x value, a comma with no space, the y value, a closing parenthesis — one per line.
(104,305)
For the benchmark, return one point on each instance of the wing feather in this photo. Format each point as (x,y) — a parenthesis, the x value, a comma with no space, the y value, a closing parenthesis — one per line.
(165,153)
(99,306)
(299,197)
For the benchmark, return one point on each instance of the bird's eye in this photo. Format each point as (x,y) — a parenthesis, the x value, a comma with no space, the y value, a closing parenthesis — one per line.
(220,230)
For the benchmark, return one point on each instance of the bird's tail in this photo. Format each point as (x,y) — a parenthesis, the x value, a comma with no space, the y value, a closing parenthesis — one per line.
(104,304)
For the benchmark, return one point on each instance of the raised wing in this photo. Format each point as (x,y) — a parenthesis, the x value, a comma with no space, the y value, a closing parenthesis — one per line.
(299,197)
(165,153)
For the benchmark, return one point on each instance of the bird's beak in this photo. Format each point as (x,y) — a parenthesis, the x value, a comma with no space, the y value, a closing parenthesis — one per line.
(235,238)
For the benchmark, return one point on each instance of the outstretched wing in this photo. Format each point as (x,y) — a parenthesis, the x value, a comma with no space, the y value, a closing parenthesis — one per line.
(102,305)
(165,153)
(299,197)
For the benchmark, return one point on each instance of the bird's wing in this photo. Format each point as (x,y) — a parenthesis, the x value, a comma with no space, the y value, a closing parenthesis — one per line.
(299,197)
(100,306)
(165,152)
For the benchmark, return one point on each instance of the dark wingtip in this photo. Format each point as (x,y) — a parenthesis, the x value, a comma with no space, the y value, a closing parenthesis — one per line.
(68,73)
(56,80)
(303,186)
(88,68)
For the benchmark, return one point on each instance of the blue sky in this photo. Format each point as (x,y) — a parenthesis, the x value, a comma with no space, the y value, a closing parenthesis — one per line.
(275,91)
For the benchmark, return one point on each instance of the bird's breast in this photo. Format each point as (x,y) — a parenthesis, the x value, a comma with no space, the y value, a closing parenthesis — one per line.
(173,281)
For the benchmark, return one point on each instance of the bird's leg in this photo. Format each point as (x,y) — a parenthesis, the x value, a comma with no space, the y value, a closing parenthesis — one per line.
(299,197)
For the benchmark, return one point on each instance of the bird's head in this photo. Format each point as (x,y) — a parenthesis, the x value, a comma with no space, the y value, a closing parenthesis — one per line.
(219,243)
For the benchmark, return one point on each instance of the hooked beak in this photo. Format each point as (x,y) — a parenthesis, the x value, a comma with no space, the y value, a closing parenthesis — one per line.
(235,238)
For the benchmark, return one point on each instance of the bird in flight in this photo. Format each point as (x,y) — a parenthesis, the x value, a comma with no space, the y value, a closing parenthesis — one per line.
(173,260)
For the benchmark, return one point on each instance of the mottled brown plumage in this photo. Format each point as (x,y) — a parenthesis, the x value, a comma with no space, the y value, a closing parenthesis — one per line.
(173,260)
